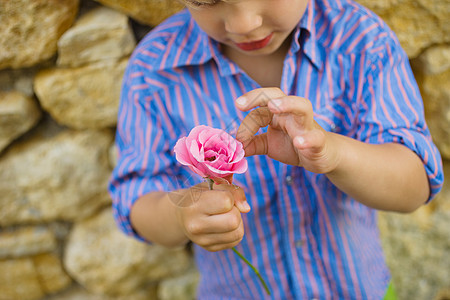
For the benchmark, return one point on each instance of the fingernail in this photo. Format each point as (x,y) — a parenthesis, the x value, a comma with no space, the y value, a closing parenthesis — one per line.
(246,206)
(241,100)
(300,140)
(276,102)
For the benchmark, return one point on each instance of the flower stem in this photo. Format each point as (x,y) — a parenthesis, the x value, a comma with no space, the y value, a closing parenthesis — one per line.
(254,270)
(210,185)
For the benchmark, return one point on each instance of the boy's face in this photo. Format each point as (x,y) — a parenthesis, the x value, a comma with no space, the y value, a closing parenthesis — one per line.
(251,27)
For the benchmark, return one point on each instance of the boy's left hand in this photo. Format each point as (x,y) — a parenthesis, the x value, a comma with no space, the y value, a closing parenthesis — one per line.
(293,136)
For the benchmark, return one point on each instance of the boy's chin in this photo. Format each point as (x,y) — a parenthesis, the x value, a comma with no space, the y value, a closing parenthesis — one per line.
(267,50)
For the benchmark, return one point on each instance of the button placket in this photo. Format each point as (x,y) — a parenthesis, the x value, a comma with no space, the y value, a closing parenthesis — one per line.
(333,127)
(298,243)
(289,179)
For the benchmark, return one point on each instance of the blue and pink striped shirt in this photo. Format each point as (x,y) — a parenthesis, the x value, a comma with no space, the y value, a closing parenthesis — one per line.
(308,239)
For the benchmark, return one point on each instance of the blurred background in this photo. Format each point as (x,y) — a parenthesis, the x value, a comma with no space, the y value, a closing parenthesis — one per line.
(61,64)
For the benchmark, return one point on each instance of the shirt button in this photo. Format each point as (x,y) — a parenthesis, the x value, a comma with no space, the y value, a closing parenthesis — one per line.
(333,127)
(298,243)
(289,180)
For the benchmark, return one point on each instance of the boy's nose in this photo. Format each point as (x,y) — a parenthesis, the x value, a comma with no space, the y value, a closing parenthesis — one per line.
(242,22)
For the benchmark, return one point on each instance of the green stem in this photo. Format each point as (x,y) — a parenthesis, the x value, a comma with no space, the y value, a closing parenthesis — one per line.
(254,270)
(210,185)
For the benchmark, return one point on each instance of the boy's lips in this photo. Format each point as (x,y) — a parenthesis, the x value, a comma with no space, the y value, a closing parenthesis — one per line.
(255,45)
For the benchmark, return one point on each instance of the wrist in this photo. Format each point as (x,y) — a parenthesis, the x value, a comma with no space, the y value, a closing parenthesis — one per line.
(336,151)
(153,217)
(179,200)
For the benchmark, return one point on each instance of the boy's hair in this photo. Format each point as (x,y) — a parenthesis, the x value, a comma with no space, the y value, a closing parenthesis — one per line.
(196,3)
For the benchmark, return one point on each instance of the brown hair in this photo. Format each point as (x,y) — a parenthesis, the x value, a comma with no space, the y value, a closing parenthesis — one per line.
(196,3)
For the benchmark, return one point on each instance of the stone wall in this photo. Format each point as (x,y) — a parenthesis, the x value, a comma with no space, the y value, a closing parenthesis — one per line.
(61,63)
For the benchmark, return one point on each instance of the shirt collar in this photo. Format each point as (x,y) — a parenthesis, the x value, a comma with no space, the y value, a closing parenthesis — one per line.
(194,43)
(304,38)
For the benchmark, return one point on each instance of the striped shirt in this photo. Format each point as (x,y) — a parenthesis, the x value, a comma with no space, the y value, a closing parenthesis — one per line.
(308,239)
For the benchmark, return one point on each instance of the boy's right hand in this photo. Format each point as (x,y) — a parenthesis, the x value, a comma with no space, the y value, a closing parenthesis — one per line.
(214,221)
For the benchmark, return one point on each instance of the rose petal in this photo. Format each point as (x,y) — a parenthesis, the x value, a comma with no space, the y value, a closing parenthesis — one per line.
(215,142)
(204,142)
(208,133)
(198,171)
(229,178)
(228,139)
(240,167)
(209,154)
(239,153)
(212,152)
(218,170)
(220,160)
(200,168)
(204,136)
(197,153)
(222,151)
(232,149)
(196,131)
(182,153)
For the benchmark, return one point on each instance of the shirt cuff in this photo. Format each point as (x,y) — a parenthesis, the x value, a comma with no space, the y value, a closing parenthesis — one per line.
(423,146)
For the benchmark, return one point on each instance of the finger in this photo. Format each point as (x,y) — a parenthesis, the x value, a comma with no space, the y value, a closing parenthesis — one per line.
(216,242)
(240,200)
(238,195)
(221,223)
(256,119)
(220,247)
(221,238)
(258,97)
(312,139)
(223,181)
(257,146)
(293,105)
(215,202)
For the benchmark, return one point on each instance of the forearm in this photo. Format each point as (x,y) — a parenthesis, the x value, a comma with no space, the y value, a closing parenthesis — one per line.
(154,217)
(386,177)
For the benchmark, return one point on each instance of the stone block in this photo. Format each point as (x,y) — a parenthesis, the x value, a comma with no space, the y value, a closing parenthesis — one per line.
(104,260)
(183,286)
(19,280)
(26,241)
(434,60)
(18,114)
(84,97)
(150,12)
(417,245)
(417,23)
(54,177)
(435,90)
(31,278)
(100,34)
(30,29)
(52,277)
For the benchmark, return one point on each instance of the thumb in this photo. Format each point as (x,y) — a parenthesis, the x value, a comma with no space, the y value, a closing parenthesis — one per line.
(240,200)
(243,206)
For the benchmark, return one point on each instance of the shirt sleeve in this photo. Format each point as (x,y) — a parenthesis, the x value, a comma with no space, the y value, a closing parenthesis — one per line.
(144,141)
(391,110)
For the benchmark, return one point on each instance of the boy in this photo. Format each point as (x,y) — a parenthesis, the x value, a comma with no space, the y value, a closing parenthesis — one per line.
(342,133)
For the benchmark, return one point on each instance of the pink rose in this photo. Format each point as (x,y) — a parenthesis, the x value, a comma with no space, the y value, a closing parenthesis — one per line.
(214,154)
(211,153)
